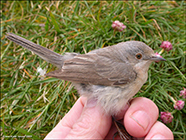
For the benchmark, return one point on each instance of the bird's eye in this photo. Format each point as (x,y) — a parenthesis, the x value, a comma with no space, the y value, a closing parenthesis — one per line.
(138,55)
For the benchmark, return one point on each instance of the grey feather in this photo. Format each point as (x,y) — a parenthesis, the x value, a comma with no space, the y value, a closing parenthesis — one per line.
(46,54)
(96,70)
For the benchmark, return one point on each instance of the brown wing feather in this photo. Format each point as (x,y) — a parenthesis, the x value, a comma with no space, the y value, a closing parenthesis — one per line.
(95,69)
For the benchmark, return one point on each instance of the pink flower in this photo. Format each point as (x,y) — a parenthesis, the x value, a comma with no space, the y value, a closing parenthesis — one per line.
(116,25)
(183,93)
(179,104)
(166,117)
(166,45)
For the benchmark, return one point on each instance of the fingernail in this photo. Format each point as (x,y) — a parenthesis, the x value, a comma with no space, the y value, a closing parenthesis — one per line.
(141,118)
(91,103)
(158,136)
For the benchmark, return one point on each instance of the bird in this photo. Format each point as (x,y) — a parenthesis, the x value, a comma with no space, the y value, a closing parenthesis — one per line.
(110,75)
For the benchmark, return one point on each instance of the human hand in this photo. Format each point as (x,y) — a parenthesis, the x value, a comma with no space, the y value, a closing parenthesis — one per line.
(86,120)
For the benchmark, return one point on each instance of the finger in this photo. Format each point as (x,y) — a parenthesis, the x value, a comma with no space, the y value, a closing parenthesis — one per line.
(112,134)
(93,123)
(159,131)
(140,116)
(65,125)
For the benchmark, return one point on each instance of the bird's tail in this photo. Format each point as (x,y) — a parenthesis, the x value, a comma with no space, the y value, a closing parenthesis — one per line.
(46,54)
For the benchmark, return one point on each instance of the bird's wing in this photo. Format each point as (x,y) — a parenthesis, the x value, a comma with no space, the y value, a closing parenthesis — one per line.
(95,69)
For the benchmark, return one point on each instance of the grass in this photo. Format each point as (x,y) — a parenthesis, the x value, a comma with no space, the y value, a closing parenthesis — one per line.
(32,105)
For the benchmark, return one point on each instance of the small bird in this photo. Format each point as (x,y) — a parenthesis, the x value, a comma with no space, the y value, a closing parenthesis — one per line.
(111,75)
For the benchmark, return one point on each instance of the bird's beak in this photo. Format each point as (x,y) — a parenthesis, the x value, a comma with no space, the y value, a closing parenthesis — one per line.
(157,58)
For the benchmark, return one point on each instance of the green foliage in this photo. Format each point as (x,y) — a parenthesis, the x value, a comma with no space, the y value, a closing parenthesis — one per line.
(31,104)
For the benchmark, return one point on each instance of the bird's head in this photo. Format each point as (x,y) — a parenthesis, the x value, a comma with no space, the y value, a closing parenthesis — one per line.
(139,54)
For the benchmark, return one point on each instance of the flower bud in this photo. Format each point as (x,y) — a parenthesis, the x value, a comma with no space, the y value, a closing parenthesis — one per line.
(166,45)
(179,104)
(183,93)
(166,117)
(116,25)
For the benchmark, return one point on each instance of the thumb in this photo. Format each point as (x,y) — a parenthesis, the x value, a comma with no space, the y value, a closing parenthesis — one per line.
(92,123)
